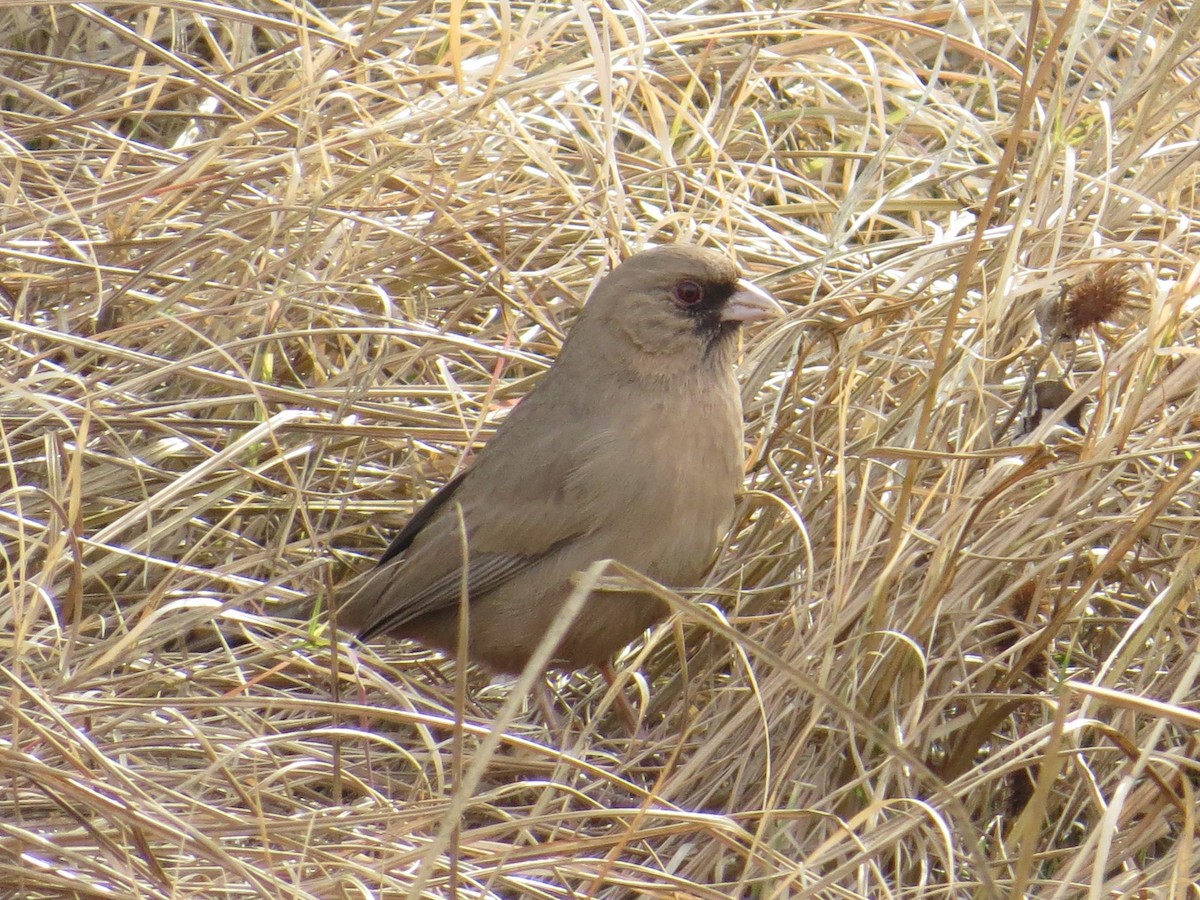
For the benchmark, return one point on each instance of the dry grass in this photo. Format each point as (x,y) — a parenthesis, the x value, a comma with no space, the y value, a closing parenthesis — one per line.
(269,274)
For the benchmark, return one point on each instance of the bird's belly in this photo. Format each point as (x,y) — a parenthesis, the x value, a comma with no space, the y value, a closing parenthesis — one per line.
(506,628)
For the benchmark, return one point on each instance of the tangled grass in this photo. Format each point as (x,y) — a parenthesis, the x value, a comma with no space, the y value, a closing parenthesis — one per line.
(271,271)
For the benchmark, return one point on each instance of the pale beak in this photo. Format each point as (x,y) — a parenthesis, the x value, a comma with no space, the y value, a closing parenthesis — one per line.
(750,303)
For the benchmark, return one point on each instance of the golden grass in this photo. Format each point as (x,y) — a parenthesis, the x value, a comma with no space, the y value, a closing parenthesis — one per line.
(270,273)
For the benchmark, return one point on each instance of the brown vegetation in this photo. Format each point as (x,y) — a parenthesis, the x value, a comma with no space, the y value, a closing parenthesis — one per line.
(270,272)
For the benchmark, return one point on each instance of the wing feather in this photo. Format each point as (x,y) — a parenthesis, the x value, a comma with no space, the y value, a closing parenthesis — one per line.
(485,573)
(518,511)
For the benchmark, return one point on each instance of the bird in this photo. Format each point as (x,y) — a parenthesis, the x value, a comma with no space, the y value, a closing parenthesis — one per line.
(1049,396)
(630,447)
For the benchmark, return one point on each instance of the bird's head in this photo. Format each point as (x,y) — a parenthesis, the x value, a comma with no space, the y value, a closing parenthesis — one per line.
(677,306)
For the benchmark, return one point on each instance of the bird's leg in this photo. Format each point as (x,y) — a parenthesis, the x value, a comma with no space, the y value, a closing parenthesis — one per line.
(541,694)
(624,710)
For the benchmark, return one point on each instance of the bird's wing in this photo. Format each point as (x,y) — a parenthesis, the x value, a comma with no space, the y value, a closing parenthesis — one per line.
(485,573)
(412,528)
(521,504)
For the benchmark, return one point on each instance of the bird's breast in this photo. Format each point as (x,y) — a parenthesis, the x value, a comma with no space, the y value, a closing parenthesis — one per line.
(664,481)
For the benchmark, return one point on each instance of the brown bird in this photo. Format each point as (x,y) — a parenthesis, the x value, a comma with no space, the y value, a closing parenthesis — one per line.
(1048,396)
(629,448)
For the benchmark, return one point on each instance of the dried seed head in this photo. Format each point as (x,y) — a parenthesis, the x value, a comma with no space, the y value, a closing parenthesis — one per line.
(1097,298)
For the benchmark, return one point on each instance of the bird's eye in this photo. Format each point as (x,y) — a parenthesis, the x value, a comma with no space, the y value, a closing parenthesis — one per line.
(688,293)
